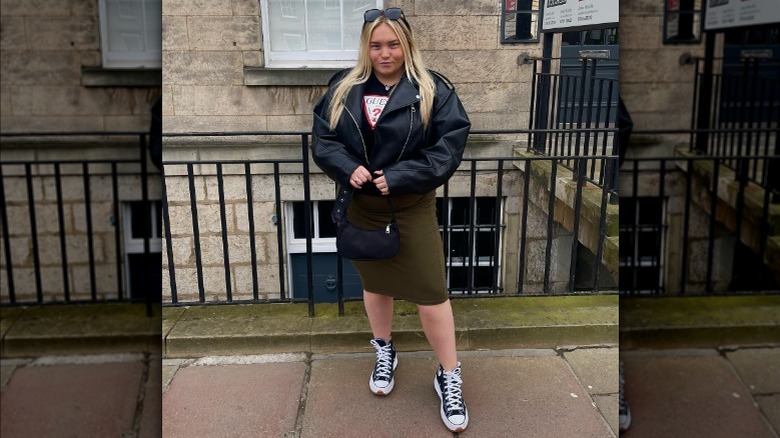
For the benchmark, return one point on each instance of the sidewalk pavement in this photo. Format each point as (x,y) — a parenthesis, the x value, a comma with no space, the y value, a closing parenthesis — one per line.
(530,392)
(693,367)
(107,395)
(709,392)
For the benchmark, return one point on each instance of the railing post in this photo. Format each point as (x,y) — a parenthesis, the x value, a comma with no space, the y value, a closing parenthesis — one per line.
(307,222)
(705,93)
(9,269)
(147,219)
(543,95)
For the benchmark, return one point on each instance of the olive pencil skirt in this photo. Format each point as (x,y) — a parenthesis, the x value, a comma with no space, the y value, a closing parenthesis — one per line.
(416,273)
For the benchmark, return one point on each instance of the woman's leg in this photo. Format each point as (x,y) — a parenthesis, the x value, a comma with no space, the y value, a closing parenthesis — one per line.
(380,314)
(439,327)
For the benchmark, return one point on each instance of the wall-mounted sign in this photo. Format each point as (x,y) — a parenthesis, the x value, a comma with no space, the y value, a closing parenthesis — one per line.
(722,14)
(567,15)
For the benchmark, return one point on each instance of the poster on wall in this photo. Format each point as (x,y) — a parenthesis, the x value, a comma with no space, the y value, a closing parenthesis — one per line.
(568,15)
(723,14)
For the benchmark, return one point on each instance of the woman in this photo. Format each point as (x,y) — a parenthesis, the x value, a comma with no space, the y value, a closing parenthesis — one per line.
(394,131)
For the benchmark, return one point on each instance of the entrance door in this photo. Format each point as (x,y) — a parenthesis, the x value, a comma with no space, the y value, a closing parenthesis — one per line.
(750,81)
(575,45)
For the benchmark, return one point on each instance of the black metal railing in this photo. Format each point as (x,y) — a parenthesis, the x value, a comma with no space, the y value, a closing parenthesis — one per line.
(573,114)
(691,224)
(481,264)
(48,204)
(736,109)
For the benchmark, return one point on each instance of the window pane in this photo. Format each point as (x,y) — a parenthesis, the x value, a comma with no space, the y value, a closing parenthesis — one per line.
(327,227)
(353,21)
(458,277)
(626,247)
(140,216)
(460,211)
(485,244)
(125,25)
(299,221)
(483,277)
(153,13)
(521,26)
(324,25)
(486,211)
(459,243)
(286,21)
(650,211)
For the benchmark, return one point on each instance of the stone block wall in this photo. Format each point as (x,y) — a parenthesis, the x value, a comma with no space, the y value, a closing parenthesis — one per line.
(698,238)
(47,217)
(43,46)
(651,73)
(207,45)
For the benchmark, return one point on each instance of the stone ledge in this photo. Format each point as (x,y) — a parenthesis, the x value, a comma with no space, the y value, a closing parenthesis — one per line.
(481,323)
(104,77)
(258,76)
(78,329)
(699,322)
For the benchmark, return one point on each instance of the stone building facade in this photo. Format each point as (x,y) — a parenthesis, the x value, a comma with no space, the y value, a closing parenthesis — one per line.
(658,84)
(219,78)
(55,78)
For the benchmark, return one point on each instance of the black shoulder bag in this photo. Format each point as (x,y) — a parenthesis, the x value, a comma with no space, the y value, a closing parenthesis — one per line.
(355,243)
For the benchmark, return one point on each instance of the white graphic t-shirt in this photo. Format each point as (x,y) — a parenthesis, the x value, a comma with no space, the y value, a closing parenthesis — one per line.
(373,105)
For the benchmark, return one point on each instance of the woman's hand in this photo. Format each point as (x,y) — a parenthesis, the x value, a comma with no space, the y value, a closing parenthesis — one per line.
(360,176)
(381,183)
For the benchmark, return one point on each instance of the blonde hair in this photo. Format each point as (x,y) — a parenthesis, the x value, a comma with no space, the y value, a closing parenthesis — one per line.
(413,66)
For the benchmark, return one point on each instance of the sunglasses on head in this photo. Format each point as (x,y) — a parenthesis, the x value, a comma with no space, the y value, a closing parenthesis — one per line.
(391,14)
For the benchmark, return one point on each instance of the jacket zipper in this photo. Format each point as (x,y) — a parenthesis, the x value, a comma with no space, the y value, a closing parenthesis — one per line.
(363,142)
(360,133)
(409,135)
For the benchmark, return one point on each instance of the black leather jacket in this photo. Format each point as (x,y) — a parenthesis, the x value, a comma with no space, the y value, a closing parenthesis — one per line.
(413,160)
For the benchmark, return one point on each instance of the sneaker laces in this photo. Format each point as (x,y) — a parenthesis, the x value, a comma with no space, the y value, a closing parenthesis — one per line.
(453,395)
(384,360)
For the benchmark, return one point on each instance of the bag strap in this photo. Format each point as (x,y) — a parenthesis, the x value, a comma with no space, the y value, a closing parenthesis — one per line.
(343,199)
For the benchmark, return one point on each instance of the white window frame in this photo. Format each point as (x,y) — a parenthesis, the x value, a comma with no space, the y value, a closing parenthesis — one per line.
(135,245)
(306,59)
(298,245)
(151,59)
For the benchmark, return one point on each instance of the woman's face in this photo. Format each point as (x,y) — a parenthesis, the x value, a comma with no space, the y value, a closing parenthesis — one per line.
(387,56)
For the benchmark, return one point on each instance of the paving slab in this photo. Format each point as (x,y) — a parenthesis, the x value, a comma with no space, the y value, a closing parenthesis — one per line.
(85,400)
(151,414)
(233,400)
(5,374)
(688,395)
(770,406)
(608,406)
(534,396)
(168,371)
(759,368)
(597,368)
(339,403)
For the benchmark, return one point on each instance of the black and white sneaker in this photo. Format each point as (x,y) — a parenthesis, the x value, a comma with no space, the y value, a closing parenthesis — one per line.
(452,408)
(382,380)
